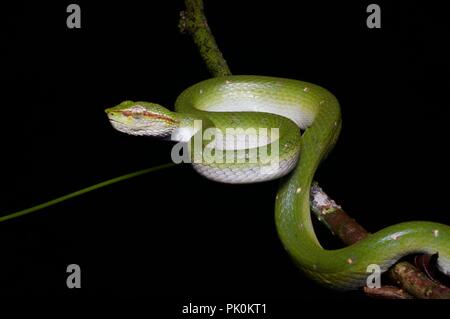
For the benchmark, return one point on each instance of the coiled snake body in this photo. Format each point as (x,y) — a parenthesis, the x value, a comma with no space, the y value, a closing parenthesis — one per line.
(290,106)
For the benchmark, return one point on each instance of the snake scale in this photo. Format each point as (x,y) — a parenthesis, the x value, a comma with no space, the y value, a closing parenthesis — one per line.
(307,118)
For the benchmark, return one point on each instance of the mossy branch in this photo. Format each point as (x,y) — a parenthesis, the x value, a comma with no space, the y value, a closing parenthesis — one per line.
(193,21)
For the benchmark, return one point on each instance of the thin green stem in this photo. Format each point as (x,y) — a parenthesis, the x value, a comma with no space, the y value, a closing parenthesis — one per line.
(84,191)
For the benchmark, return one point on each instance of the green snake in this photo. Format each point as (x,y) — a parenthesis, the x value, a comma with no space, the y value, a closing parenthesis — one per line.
(307,120)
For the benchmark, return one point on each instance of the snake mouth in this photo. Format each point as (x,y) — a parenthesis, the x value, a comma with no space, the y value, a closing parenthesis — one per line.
(119,125)
(116,122)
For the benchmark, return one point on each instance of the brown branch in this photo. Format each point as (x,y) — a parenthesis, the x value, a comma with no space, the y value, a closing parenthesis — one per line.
(417,283)
(332,216)
(412,280)
(387,292)
(193,21)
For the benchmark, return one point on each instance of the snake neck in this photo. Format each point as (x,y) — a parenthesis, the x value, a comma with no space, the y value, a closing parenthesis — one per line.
(188,126)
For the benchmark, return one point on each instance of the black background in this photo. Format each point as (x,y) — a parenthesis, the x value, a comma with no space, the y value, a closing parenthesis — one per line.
(174,233)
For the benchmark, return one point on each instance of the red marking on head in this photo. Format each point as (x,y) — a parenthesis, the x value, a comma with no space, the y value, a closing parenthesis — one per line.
(149,115)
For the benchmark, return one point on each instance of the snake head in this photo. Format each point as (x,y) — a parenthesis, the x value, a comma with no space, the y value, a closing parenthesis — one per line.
(142,118)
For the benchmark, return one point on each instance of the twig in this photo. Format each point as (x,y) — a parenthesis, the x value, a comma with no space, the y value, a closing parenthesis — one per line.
(193,21)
